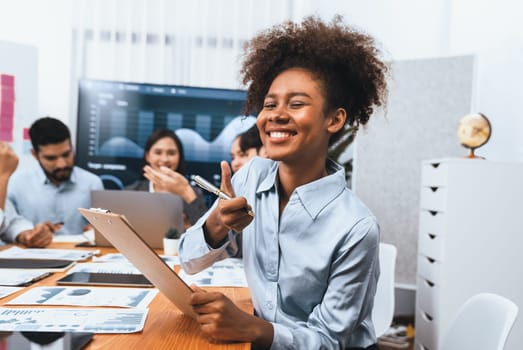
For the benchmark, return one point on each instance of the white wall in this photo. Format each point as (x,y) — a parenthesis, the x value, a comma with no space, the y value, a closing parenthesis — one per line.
(407,28)
(493,30)
(45,25)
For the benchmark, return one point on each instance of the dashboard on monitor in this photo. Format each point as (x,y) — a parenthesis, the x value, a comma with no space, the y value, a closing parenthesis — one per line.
(116,118)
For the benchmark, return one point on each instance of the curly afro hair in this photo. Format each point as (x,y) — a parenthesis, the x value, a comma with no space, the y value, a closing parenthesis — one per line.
(345,61)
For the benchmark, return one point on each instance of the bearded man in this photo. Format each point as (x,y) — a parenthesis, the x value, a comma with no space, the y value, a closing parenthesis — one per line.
(57,188)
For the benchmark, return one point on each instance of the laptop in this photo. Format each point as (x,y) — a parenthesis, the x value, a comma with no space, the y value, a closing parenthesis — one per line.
(152,214)
(127,239)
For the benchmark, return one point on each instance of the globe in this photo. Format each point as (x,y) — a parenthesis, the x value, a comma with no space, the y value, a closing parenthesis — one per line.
(474,131)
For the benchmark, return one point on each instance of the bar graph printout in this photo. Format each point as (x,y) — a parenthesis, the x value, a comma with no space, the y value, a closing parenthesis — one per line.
(170,260)
(224,273)
(5,291)
(73,320)
(87,296)
(48,253)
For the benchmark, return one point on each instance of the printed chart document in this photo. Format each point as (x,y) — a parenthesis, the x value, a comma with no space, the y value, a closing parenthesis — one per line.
(21,277)
(109,267)
(224,273)
(87,296)
(69,238)
(48,253)
(117,257)
(5,291)
(85,237)
(73,320)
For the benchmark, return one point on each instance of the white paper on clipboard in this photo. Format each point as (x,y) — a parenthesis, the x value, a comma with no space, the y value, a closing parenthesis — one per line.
(124,237)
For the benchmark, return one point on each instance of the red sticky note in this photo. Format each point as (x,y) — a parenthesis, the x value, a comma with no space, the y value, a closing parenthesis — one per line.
(6,135)
(7,80)
(7,93)
(6,123)
(25,134)
(7,109)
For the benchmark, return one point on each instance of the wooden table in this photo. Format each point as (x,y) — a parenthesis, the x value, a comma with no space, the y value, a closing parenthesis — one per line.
(165,328)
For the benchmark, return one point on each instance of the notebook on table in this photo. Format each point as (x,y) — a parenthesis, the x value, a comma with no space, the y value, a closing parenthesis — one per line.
(152,214)
(127,239)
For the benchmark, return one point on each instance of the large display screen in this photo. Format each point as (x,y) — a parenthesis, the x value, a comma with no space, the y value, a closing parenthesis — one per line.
(116,118)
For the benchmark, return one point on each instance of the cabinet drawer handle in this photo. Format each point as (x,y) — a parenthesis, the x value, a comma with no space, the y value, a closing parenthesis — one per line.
(433,212)
(429,283)
(427,317)
(431,235)
(433,188)
(432,261)
(435,165)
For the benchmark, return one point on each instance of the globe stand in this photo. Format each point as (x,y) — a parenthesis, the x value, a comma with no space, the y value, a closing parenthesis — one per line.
(471,153)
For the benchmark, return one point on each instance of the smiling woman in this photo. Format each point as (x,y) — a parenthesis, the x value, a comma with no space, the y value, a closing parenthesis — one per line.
(164,171)
(291,125)
(311,252)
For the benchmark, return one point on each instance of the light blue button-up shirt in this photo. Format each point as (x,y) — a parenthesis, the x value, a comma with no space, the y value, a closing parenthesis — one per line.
(12,224)
(38,199)
(313,271)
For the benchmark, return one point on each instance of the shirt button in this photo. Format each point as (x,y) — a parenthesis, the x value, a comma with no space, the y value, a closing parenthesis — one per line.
(269,305)
(272,269)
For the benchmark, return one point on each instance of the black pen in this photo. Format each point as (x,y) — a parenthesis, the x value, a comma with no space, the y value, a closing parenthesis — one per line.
(206,185)
(57,226)
(53,226)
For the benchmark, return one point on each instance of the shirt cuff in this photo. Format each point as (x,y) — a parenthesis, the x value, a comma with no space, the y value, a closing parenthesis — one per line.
(15,227)
(196,254)
(282,338)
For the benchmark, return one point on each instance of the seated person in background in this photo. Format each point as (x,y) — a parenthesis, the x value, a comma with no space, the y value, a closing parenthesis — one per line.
(164,171)
(246,146)
(13,227)
(310,253)
(56,189)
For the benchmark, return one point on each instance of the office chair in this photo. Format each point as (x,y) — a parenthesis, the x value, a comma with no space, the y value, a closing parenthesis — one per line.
(383,310)
(483,322)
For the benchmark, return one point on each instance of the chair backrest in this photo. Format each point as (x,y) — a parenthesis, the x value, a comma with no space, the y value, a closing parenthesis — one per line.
(483,322)
(383,310)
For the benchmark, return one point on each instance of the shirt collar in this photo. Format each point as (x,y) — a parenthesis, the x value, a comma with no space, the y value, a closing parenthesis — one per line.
(270,180)
(315,195)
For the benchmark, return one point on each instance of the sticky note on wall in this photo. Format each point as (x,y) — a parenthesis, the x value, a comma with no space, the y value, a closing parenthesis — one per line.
(7,107)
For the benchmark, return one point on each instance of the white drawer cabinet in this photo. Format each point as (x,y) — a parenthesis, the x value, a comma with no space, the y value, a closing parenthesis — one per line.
(470,241)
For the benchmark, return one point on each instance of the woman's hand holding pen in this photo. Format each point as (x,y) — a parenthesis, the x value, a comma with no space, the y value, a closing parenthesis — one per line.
(40,236)
(234,212)
(231,214)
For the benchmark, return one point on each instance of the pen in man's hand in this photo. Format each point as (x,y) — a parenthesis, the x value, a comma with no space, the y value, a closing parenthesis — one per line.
(55,226)
(206,185)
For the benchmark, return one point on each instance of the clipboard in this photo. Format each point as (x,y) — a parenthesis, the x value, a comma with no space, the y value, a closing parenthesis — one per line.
(124,237)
